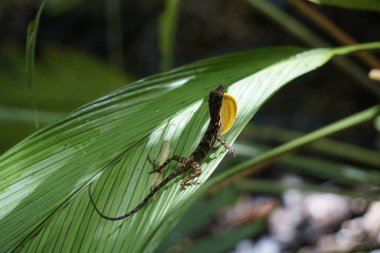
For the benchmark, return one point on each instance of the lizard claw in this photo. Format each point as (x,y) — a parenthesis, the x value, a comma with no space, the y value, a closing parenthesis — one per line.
(231,150)
(184,184)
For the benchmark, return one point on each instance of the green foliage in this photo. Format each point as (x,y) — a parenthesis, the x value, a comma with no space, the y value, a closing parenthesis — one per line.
(272,186)
(377,124)
(305,34)
(340,173)
(167,32)
(333,148)
(351,176)
(44,179)
(63,80)
(31,38)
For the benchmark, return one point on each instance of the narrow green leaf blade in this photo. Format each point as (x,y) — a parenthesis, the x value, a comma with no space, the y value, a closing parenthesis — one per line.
(369,5)
(167,31)
(31,38)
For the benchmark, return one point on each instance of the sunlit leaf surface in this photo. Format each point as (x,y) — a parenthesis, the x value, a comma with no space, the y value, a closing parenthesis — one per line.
(44,205)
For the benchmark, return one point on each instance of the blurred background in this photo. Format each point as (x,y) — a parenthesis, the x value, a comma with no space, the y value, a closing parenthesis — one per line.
(87,48)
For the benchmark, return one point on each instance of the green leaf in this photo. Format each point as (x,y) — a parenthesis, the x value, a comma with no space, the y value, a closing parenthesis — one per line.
(167,31)
(337,172)
(336,149)
(43,180)
(14,114)
(274,186)
(369,5)
(31,38)
(58,72)
(377,123)
(353,175)
(306,35)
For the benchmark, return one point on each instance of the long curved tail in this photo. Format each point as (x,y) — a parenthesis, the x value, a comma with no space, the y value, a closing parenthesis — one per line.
(140,205)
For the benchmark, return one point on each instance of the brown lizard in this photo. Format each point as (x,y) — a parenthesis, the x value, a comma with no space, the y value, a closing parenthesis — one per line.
(192,162)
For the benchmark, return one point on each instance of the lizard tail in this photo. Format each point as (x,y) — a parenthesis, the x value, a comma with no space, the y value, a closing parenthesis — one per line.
(138,207)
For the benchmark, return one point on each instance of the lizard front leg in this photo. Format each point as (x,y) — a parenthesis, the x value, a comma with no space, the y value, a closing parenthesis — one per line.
(197,171)
(226,146)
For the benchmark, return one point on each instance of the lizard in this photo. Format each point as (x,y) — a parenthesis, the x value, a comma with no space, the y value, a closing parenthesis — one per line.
(192,162)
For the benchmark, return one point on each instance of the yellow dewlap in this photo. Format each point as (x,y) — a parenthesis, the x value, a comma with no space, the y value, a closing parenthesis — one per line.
(228,112)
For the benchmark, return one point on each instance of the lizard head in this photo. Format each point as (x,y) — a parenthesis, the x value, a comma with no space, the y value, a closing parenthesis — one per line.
(224,107)
(216,99)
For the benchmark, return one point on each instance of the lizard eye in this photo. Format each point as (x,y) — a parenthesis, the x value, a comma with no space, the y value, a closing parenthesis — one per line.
(228,112)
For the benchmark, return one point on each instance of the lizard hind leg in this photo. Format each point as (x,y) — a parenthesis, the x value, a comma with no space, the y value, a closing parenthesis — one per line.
(197,171)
